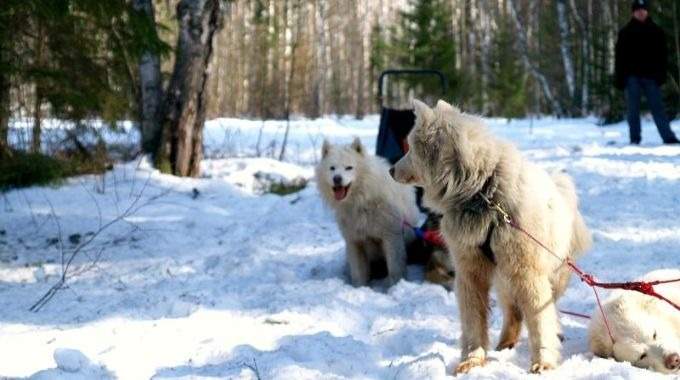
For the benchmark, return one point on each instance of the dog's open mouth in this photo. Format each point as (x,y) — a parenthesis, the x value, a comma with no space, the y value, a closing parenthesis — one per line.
(340,192)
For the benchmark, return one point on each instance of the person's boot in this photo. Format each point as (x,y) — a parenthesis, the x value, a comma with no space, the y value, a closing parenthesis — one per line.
(672,141)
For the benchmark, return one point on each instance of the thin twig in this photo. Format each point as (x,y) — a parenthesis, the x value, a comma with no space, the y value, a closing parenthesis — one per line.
(30,208)
(253,367)
(66,272)
(54,217)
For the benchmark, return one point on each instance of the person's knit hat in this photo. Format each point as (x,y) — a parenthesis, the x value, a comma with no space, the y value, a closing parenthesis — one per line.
(640,4)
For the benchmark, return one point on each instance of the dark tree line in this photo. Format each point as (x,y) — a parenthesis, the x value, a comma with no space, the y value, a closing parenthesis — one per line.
(502,57)
(170,64)
(87,59)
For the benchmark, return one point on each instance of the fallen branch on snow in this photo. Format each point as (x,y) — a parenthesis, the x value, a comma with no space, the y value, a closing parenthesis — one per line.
(67,259)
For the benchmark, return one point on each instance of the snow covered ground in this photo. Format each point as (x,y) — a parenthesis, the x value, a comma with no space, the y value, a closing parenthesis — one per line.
(210,278)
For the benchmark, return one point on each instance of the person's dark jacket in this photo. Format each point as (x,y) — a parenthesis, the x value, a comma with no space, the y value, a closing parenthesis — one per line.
(641,51)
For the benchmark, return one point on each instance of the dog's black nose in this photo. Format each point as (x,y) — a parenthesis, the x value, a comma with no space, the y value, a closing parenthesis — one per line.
(337,180)
(392,171)
(672,361)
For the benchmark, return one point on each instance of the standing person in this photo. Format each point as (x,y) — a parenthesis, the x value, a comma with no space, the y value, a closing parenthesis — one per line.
(641,58)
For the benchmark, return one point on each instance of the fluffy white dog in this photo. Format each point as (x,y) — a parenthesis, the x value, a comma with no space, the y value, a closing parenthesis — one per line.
(459,164)
(371,209)
(646,330)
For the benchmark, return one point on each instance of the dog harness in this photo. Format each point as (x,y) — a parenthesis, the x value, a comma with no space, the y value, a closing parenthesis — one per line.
(486,246)
(477,205)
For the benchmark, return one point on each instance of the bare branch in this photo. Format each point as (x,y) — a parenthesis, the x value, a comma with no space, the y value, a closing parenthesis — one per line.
(67,263)
(253,367)
(54,217)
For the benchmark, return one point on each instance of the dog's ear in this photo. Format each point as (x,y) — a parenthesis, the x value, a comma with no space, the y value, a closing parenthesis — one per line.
(422,110)
(357,146)
(325,148)
(443,106)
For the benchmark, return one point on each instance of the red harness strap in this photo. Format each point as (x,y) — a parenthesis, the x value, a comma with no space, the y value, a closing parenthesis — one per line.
(432,237)
(643,287)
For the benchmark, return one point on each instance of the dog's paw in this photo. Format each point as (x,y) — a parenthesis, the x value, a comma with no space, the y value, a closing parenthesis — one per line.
(466,365)
(509,344)
(541,367)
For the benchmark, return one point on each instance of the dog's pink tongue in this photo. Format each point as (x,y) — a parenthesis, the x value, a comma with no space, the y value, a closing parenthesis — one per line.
(340,192)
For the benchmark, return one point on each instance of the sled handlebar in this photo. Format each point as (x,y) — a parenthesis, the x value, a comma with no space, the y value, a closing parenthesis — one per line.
(442,79)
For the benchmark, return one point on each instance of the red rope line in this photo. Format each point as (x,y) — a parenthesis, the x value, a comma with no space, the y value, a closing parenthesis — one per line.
(644,287)
(588,279)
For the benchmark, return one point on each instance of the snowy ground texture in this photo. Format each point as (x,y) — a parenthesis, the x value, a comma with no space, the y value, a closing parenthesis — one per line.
(210,278)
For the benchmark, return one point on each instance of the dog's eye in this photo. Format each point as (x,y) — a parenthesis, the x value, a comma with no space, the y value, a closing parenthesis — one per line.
(332,168)
(643,356)
(349,167)
(654,337)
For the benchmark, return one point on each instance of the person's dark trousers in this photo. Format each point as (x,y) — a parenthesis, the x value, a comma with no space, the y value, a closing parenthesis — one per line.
(635,86)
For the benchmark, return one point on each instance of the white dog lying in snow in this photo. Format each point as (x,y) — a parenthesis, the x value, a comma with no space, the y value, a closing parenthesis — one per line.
(646,330)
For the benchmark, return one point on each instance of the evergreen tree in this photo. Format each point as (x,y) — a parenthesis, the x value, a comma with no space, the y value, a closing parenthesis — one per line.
(426,41)
(79,55)
(666,13)
(379,50)
(508,85)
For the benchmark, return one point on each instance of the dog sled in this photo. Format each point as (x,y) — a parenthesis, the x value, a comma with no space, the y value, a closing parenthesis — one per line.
(396,121)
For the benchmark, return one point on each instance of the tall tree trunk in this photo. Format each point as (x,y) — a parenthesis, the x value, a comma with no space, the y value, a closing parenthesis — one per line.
(6,40)
(184,108)
(676,40)
(36,139)
(529,65)
(485,53)
(319,84)
(585,54)
(357,20)
(610,13)
(565,49)
(4,113)
(150,91)
(290,75)
(4,98)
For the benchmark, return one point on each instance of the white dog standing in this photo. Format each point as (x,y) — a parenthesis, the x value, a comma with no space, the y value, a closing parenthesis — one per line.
(463,169)
(371,209)
(646,330)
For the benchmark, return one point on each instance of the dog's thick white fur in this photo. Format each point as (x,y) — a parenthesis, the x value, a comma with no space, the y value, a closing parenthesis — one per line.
(646,330)
(371,209)
(455,159)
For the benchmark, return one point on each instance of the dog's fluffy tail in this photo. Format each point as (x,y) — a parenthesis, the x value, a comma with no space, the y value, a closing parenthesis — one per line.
(581,239)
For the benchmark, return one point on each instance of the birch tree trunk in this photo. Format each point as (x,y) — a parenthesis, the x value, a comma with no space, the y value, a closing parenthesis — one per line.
(184,108)
(610,10)
(585,54)
(290,75)
(530,67)
(565,49)
(357,20)
(319,84)
(484,55)
(150,91)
